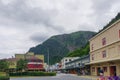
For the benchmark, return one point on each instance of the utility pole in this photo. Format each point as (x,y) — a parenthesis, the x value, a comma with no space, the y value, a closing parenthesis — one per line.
(48,60)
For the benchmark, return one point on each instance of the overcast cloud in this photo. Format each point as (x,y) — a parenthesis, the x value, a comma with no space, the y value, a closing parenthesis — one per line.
(26,23)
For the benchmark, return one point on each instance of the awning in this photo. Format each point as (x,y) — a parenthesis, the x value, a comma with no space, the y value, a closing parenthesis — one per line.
(103,61)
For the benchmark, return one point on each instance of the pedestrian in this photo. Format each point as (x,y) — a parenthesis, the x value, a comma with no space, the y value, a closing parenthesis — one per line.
(83,72)
(102,78)
(101,75)
(113,77)
(101,72)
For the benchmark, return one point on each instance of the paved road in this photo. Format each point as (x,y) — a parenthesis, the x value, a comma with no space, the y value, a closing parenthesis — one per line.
(58,77)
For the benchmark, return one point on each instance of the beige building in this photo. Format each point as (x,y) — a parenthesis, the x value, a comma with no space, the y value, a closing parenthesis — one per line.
(20,56)
(30,56)
(105,51)
(12,63)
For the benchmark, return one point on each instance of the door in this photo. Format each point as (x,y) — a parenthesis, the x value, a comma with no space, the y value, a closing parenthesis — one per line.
(98,71)
(113,70)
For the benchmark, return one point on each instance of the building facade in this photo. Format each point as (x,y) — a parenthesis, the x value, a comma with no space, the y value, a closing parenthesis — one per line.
(78,66)
(12,64)
(66,60)
(105,51)
(34,62)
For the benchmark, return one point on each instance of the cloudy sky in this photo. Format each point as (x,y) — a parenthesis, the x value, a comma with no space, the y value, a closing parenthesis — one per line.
(26,23)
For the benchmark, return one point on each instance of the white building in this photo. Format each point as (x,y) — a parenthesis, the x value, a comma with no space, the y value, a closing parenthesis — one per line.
(66,60)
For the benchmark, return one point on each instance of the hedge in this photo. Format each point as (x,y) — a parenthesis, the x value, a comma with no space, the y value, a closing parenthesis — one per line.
(4,78)
(33,74)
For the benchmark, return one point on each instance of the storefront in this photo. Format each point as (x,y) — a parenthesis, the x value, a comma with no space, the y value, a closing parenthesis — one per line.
(109,68)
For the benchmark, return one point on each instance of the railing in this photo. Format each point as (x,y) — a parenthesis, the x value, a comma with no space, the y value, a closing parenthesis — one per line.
(75,66)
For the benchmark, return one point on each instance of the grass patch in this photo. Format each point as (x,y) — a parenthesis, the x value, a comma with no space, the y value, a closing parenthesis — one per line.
(4,76)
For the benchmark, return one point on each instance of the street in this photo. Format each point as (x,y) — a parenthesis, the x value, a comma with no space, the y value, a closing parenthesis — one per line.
(58,77)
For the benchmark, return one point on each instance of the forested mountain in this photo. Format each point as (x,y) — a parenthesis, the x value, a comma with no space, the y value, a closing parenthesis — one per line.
(80,52)
(60,45)
(74,44)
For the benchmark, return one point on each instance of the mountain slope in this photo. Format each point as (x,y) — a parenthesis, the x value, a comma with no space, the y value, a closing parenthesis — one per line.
(80,52)
(60,45)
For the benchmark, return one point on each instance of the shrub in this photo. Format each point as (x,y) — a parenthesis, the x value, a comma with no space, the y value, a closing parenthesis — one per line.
(4,78)
(33,74)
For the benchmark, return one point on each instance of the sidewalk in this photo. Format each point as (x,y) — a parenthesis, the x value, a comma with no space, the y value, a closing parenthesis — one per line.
(87,76)
(90,77)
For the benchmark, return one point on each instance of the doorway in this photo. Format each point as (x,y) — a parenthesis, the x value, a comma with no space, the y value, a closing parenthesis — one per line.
(113,70)
(98,71)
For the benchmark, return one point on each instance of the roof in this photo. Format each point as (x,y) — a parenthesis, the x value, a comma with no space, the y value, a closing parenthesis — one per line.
(109,25)
(79,59)
(12,59)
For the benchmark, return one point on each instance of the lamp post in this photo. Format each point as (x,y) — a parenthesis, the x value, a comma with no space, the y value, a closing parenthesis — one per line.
(48,59)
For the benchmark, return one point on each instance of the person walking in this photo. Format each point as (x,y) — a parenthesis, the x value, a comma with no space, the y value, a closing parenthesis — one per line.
(113,77)
(101,75)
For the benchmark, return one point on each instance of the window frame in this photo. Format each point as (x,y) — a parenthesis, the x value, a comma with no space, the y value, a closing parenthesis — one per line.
(119,33)
(93,69)
(104,55)
(104,41)
(92,46)
(93,58)
(105,68)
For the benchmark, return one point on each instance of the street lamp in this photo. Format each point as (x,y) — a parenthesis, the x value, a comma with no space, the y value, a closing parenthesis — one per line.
(48,59)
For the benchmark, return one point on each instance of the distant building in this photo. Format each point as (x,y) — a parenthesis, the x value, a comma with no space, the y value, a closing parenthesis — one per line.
(77,66)
(66,60)
(20,56)
(105,51)
(12,63)
(46,66)
(35,62)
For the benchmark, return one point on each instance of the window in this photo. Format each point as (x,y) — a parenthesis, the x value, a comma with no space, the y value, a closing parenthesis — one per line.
(93,69)
(119,48)
(11,63)
(92,56)
(119,33)
(66,60)
(104,54)
(92,47)
(105,69)
(104,41)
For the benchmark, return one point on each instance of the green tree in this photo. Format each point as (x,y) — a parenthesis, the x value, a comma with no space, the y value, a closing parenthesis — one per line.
(80,52)
(21,65)
(4,65)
